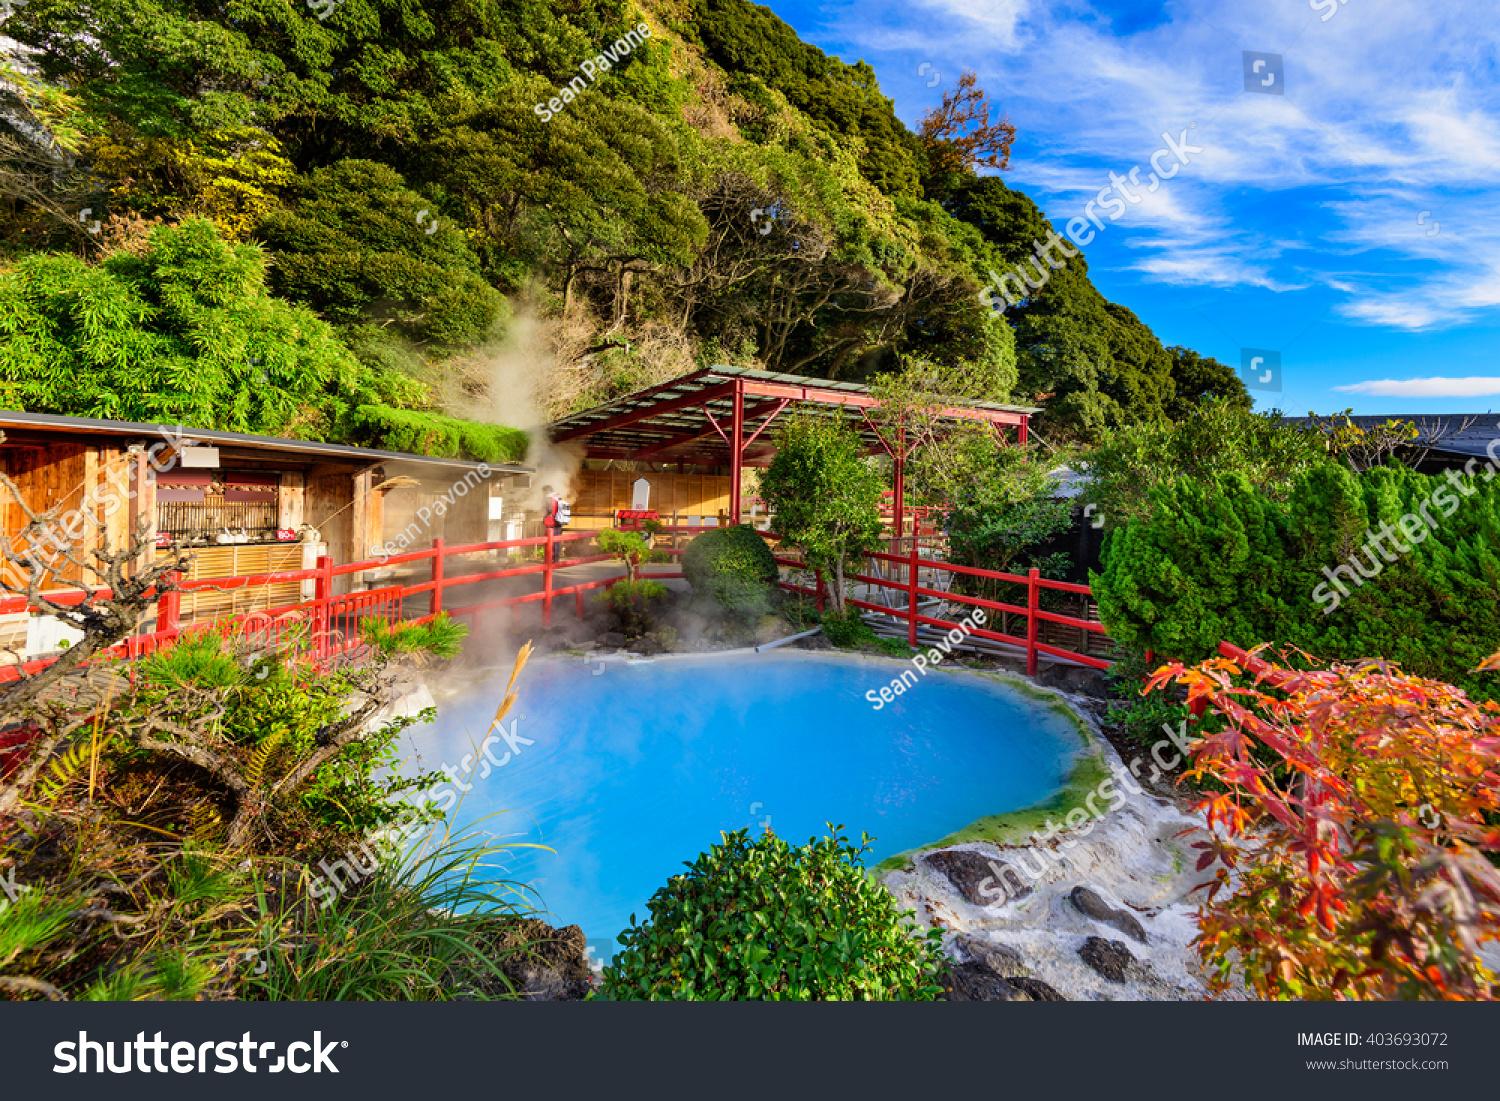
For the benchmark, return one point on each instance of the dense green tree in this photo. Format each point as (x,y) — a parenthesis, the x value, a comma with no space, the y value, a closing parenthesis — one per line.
(823,496)
(356,242)
(597,190)
(825,244)
(1198,380)
(845,99)
(1093,362)
(185,332)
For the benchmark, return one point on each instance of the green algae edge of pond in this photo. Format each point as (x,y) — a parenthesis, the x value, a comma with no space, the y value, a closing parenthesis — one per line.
(1014,827)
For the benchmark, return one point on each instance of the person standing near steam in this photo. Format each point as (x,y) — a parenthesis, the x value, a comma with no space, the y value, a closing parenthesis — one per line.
(558,511)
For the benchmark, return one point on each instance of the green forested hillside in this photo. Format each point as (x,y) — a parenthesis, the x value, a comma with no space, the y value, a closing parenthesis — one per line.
(382,181)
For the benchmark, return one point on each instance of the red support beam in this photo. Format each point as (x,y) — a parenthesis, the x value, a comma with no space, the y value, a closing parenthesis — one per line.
(767,422)
(714,427)
(645,412)
(864,401)
(899,456)
(1033,605)
(736,451)
(911,599)
(547,579)
(322,596)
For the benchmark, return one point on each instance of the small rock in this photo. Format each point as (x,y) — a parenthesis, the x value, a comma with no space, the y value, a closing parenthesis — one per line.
(539,983)
(966,870)
(973,982)
(1002,959)
(1108,957)
(1037,990)
(613,638)
(1091,905)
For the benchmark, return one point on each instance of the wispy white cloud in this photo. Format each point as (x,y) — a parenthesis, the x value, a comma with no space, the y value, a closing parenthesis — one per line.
(1391,110)
(1477,387)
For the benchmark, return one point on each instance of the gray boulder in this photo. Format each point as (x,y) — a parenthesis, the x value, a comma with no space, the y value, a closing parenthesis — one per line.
(1088,902)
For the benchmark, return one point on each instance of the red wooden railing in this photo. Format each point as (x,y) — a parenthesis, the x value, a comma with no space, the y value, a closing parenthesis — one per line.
(326,626)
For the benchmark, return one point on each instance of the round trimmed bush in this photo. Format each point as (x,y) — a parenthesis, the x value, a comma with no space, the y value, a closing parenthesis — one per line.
(735,568)
(763,920)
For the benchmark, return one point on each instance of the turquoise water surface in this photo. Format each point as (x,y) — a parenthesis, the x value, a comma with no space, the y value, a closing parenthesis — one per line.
(636,767)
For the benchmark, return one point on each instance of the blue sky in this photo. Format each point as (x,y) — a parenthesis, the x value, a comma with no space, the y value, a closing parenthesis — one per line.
(1348,223)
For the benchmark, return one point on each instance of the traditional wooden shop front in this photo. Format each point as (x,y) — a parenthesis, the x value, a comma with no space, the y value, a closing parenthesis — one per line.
(249,504)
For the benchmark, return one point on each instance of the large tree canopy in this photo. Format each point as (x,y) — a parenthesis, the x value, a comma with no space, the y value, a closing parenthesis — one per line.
(711,189)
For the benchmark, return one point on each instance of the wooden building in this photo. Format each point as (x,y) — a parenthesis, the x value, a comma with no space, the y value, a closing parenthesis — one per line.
(253,504)
(695,438)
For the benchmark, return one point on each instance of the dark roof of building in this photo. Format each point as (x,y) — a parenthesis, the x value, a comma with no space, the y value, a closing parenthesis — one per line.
(683,419)
(209,437)
(1467,434)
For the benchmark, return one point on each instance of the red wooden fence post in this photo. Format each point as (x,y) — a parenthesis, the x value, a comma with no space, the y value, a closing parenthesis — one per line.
(1033,602)
(911,581)
(322,595)
(437,576)
(547,583)
(819,575)
(169,607)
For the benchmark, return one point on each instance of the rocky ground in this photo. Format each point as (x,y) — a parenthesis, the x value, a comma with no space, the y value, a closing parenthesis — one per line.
(1102,917)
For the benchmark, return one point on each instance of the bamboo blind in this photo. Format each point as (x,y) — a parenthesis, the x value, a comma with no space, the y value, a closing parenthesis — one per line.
(235,560)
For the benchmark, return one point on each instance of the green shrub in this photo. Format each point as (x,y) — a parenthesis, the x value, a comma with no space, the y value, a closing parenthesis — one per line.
(735,568)
(765,920)
(422,433)
(631,602)
(1219,559)
(848,630)
(1140,717)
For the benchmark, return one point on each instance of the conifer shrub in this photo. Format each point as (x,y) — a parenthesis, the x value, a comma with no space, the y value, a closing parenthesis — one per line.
(1218,559)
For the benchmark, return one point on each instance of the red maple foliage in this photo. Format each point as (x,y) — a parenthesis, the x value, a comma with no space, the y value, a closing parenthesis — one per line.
(1358,809)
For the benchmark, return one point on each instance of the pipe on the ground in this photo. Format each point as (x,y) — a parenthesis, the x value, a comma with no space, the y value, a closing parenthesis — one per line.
(784,641)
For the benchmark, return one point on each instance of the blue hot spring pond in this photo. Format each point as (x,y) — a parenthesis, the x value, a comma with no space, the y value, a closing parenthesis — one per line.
(636,767)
